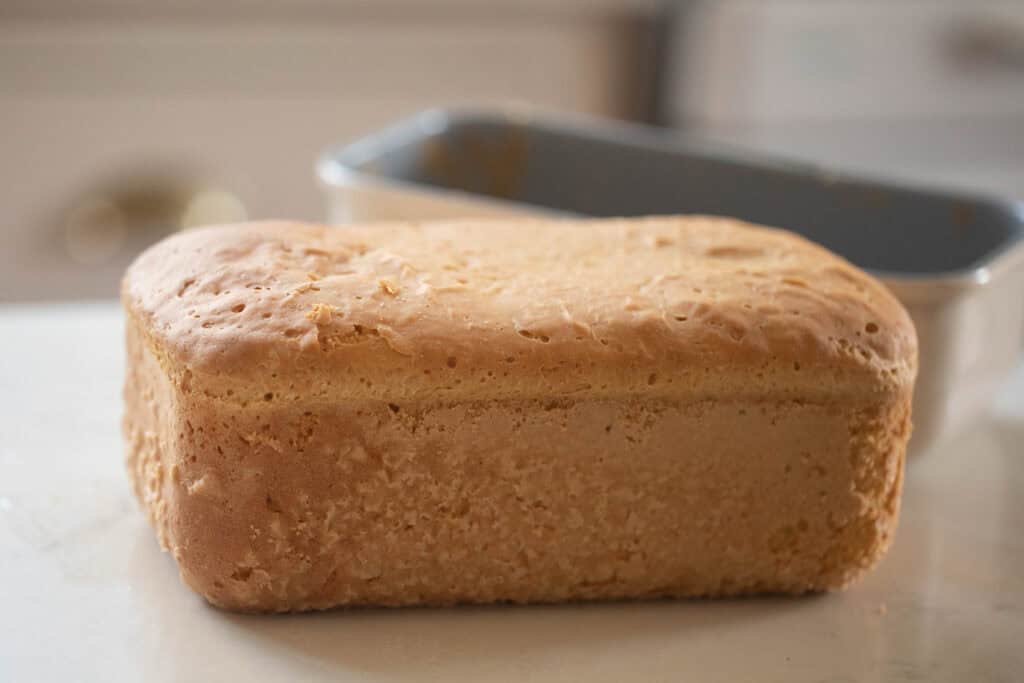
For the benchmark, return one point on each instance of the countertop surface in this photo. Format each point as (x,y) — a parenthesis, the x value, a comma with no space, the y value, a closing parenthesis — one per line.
(86,594)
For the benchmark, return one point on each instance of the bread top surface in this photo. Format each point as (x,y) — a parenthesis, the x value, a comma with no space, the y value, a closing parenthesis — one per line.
(515,308)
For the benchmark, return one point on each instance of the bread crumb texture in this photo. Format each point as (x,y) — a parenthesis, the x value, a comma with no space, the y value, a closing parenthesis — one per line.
(512,411)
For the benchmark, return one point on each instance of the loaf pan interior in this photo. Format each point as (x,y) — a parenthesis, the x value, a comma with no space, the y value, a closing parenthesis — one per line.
(619,170)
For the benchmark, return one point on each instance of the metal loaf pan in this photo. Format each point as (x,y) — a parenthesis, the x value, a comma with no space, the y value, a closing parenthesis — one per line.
(955,260)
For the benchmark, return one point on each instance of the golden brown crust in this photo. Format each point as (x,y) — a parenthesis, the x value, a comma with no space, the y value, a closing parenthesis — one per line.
(390,436)
(588,306)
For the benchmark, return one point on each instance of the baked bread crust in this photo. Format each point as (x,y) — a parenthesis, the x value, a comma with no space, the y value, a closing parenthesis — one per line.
(518,410)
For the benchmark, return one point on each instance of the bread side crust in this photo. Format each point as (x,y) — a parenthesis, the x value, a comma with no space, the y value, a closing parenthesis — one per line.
(279,506)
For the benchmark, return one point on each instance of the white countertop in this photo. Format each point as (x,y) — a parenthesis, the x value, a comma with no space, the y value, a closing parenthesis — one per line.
(85,594)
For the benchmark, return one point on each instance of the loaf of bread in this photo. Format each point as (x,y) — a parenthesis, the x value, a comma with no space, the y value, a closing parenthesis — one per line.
(520,411)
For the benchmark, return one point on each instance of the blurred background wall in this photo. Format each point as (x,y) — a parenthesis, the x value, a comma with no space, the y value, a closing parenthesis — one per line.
(123,120)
